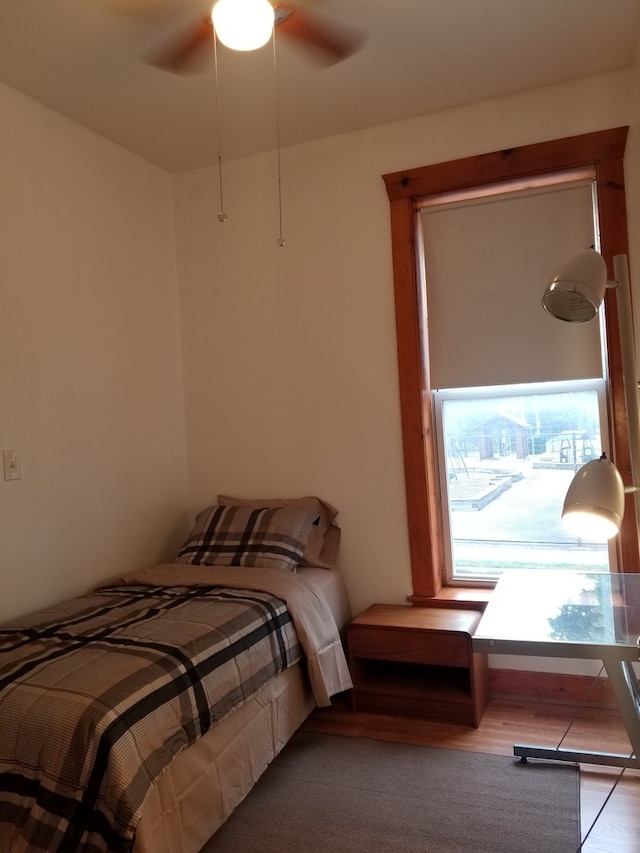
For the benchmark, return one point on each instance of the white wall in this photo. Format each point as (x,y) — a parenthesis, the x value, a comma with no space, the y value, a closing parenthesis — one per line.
(90,369)
(290,354)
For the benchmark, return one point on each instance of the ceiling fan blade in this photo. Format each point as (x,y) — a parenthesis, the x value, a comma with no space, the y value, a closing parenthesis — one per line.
(330,41)
(184,53)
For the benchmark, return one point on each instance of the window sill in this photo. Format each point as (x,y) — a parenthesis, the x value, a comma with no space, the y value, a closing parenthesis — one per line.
(466,598)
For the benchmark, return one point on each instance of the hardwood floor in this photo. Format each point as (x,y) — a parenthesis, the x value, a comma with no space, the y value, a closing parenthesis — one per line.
(617,829)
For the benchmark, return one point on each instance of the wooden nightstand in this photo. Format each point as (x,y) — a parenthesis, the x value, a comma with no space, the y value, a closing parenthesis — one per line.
(418,661)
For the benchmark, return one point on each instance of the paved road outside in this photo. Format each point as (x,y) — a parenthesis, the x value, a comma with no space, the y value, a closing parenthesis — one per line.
(525,514)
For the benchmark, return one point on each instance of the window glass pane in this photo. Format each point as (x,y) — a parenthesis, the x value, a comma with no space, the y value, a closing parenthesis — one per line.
(509,456)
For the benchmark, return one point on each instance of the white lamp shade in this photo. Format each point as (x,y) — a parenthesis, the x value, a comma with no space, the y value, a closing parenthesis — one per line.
(594,504)
(243,24)
(576,291)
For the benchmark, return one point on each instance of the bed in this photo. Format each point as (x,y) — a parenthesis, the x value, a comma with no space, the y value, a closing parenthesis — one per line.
(137,717)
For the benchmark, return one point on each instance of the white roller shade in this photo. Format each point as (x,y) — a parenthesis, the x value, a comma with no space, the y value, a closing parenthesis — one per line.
(487,264)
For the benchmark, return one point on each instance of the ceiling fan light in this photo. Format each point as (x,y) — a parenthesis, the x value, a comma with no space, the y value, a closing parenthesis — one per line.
(243,24)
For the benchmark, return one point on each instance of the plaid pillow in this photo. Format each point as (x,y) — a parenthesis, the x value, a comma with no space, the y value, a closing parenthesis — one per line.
(322,546)
(273,538)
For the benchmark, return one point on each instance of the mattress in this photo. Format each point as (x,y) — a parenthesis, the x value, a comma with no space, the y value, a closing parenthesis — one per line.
(205,782)
(99,695)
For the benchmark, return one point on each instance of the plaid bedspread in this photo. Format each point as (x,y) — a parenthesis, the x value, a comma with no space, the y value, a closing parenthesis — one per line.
(99,694)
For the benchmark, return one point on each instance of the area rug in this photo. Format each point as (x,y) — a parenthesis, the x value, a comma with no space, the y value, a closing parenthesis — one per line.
(332,794)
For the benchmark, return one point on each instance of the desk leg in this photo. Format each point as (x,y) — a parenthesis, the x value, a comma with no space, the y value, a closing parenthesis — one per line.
(624,684)
(608,759)
(626,690)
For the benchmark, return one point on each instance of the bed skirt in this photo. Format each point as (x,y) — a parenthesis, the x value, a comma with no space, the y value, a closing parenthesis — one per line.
(205,782)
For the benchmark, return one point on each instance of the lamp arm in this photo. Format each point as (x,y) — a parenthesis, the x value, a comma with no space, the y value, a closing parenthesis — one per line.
(628,350)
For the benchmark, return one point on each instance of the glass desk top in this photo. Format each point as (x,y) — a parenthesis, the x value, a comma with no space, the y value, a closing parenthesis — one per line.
(566,614)
(562,614)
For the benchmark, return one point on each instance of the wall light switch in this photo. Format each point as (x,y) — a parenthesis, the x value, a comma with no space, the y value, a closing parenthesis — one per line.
(11,463)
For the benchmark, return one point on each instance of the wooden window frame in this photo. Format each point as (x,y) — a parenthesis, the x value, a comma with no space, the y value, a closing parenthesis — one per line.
(603,153)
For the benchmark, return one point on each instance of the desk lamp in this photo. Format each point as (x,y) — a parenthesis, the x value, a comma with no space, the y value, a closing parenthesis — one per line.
(594,504)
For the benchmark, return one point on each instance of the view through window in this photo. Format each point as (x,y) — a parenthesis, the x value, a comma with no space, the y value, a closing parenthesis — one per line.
(511,453)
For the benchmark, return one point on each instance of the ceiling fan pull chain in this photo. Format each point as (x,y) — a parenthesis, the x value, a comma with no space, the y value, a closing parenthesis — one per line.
(280,241)
(222,216)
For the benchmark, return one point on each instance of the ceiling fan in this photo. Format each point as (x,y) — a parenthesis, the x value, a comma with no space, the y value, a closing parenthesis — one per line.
(329,41)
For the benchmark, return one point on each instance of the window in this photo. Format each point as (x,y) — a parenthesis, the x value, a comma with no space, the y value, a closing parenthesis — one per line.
(597,154)
(487,260)
(506,457)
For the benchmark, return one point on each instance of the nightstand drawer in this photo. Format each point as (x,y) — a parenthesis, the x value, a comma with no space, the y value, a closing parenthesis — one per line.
(417,661)
(409,646)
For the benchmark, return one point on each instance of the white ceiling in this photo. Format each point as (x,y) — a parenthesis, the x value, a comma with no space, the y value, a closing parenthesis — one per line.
(83,58)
